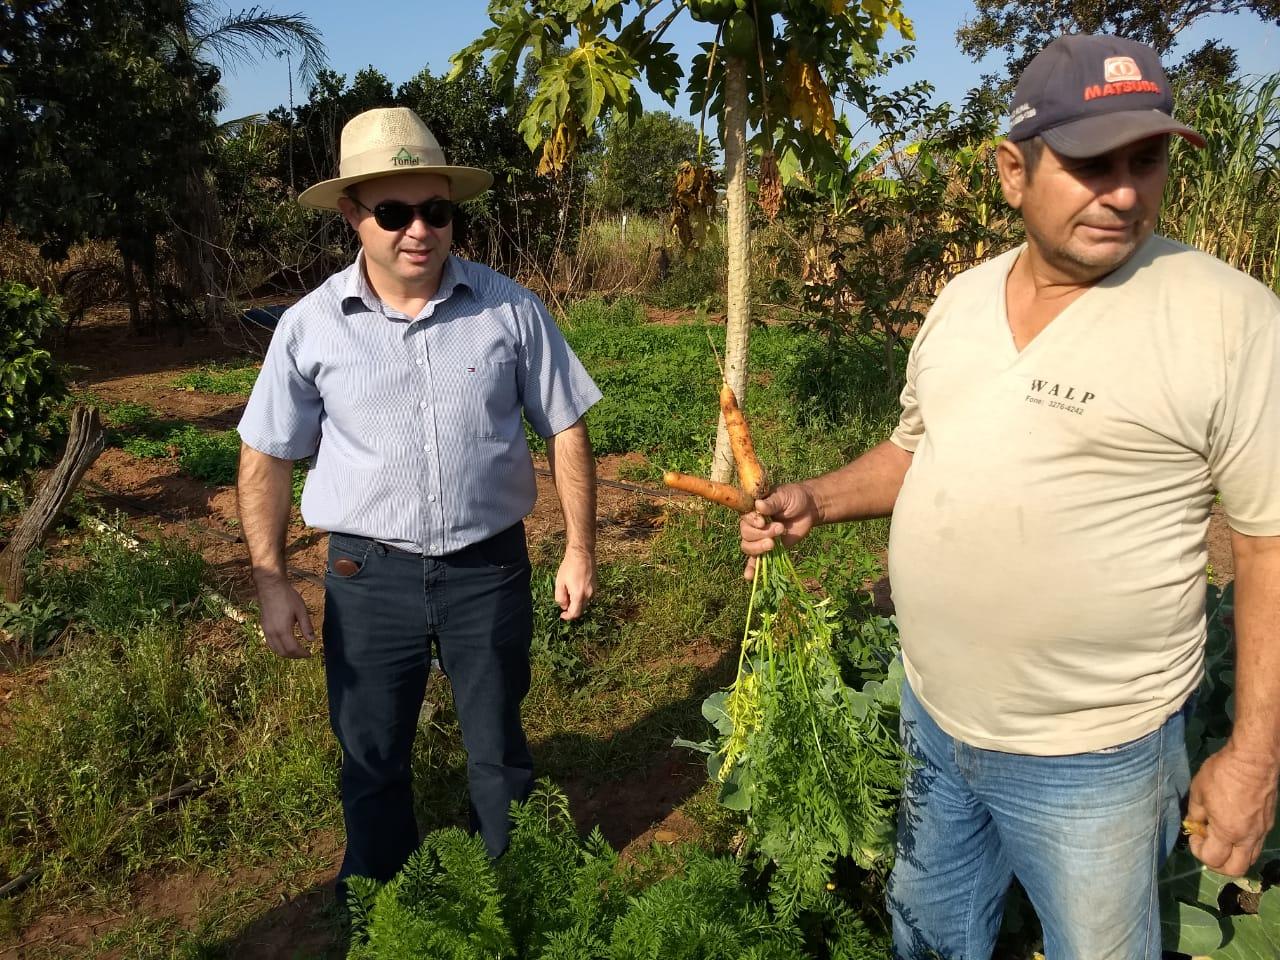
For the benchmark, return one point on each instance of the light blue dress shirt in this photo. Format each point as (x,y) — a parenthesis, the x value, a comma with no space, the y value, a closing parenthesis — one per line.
(414,423)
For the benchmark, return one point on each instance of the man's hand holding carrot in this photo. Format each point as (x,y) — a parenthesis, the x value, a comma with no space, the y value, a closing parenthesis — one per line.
(787,514)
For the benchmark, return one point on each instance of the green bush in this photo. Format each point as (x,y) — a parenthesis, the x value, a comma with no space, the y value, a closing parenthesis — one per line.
(30,386)
(208,456)
(110,588)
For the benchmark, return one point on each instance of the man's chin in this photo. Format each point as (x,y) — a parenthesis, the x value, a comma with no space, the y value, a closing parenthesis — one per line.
(1101,258)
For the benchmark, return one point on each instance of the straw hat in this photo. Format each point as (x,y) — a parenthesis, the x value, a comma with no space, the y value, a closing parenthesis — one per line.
(387,141)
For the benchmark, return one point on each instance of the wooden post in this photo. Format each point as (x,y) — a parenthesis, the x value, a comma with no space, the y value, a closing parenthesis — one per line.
(83,447)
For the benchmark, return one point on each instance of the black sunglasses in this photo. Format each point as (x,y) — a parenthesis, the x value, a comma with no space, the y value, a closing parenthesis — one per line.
(396,214)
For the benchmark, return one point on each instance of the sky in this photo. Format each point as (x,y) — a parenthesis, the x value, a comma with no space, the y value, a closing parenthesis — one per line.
(401,38)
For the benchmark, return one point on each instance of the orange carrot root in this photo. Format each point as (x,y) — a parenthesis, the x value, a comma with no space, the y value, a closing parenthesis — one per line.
(720,493)
(1194,828)
(750,473)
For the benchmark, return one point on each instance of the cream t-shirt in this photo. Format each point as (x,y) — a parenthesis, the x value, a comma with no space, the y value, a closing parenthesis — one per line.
(1048,551)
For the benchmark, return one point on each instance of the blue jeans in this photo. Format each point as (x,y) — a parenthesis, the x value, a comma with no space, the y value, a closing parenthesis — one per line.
(384,609)
(1085,834)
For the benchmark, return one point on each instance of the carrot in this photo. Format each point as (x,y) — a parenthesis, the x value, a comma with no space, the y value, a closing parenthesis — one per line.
(720,493)
(750,473)
(1194,828)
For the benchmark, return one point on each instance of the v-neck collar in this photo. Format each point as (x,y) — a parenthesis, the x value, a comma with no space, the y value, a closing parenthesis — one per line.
(1011,352)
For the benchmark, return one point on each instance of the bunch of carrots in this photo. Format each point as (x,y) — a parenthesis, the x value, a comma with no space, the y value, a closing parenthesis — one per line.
(814,762)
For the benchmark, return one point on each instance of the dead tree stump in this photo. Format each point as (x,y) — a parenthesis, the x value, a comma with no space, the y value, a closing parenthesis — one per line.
(83,448)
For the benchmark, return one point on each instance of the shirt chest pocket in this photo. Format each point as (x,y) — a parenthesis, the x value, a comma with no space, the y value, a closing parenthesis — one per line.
(480,399)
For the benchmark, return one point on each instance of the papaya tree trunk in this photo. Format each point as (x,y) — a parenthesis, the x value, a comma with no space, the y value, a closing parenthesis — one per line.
(737,246)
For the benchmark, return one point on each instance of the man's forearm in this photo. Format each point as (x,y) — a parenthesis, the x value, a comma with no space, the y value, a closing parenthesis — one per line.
(866,488)
(573,470)
(1257,626)
(263,493)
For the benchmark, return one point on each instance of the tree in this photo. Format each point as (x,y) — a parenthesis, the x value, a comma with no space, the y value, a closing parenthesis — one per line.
(1022,28)
(637,166)
(82,73)
(769,67)
(201,35)
(107,123)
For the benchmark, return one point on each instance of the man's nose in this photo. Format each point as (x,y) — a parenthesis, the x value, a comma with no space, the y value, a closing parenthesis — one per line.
(1121,191)
(417,227)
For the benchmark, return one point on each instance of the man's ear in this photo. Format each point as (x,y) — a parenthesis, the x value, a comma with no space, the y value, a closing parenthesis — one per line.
(1013,173)
(350,212)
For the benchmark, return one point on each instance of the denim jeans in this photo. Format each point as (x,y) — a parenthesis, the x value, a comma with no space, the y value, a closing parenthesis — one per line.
(1085,834)
(381,620)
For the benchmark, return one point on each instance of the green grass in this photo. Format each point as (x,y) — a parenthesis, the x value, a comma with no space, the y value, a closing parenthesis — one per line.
(234,379)
(660,385)
(152,693)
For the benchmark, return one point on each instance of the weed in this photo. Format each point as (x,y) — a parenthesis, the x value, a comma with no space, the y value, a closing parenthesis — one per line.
(211,457)
(33,623)
(598,312)
(225,379)
(138,706)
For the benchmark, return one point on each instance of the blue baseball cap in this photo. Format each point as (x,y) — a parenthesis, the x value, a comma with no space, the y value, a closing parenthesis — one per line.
(1086,94)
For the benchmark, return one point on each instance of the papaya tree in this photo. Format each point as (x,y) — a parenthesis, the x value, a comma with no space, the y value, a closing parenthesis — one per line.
(766,74)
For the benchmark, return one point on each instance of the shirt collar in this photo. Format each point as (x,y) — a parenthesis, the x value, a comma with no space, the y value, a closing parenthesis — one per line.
(358,296)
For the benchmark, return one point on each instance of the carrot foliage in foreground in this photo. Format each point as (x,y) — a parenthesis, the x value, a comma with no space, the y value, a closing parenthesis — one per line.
(806,739)
(556,896)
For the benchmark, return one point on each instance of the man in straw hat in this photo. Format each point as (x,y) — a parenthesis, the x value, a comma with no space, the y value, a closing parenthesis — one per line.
(1070,410)
(403,378)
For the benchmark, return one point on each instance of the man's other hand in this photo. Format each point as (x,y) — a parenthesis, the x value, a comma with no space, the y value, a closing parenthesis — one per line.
(575,583)
(1234,797)
(282,610)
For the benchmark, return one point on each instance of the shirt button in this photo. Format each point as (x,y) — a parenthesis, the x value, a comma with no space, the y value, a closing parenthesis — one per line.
(423,405)
(418,361)
(427,448)
(432,498)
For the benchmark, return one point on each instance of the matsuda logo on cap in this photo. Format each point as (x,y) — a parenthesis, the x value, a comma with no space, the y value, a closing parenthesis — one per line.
(1115,69)
(1122,76)
(405,159)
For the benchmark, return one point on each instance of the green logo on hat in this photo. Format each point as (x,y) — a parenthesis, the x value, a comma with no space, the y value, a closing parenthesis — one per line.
(405,159)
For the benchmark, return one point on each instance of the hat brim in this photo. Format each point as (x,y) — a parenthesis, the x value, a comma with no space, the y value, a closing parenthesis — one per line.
(1092,136)
(465,183)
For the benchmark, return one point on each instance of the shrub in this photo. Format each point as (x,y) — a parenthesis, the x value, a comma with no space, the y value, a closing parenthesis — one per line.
(210,457)
(30,386)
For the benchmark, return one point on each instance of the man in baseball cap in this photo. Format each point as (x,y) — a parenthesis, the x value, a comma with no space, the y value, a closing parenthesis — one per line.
(405,380)
(1072,409)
